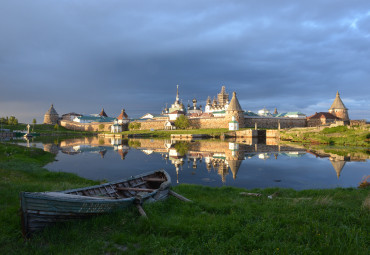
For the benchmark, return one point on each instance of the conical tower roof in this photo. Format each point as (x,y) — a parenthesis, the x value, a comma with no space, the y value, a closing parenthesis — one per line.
(122,115)
(234,104)
(338,166)
(102,113)
(51,111)
(337,104)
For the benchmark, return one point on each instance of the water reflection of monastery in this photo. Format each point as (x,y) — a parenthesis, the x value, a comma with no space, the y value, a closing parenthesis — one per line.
(89,145)
(226,157)
(222,157)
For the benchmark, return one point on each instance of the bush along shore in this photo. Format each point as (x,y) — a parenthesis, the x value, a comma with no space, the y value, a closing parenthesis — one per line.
(219,221)
(341,135)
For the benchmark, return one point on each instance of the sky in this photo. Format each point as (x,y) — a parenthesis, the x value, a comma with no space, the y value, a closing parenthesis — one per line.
(87,54)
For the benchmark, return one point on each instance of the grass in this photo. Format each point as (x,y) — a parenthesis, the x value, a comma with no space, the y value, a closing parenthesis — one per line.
(342,135)
(219,221)
(43,129)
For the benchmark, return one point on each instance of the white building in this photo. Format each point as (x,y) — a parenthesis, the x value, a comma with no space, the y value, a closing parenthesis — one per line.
(90,119)
(264,112)
(175,114)
(116,127)
(147,116)
(233,124)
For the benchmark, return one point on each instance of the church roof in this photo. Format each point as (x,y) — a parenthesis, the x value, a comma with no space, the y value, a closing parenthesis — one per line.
(122,115)
(234,104)
(51,111)
(250,113)
(102,113)
(177,112)
(319,115)
(95,118)
(338,104)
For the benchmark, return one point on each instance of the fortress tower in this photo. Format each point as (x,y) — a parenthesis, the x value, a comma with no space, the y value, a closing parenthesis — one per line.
(51,116)
(338,109)
(235,110)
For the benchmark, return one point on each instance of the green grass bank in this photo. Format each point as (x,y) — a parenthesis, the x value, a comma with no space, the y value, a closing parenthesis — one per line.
(341,135)
(45,129)
(219,221)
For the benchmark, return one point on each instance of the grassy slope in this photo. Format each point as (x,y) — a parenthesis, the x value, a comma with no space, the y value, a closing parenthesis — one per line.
(220,221)
(21,170)
(43,129)
(341,135)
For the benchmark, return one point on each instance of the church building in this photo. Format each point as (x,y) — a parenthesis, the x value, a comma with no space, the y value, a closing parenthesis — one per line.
(218,105)
(177,105)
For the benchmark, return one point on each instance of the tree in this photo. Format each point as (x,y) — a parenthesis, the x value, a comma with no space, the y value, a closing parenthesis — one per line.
(134,125)
(101,127)
(182,122)
(56,127)
(12,120)
(34,123)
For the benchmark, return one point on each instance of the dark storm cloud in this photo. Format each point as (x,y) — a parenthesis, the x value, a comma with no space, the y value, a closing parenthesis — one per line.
(84,55)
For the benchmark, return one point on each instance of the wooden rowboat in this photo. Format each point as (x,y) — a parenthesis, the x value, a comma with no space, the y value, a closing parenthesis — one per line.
(40,209)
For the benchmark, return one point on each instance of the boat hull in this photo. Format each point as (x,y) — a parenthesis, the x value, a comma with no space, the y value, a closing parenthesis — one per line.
(40,209)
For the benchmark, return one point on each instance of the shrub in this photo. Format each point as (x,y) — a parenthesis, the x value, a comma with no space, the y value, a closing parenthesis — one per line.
(101,127)
(134,125)
(182,122)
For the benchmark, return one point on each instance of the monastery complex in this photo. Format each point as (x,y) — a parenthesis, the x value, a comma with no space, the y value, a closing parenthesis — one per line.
(221,112)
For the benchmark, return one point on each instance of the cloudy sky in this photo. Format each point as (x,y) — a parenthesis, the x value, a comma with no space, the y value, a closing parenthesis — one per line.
(87,54)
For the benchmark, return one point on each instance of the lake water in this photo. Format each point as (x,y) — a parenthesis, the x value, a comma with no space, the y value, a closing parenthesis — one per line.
(243,163)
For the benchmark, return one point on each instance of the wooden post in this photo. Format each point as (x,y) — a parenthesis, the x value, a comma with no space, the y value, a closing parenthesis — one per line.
(141,210)
(178,196)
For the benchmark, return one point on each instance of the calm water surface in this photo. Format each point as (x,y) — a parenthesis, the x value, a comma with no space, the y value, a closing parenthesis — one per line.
(243,163)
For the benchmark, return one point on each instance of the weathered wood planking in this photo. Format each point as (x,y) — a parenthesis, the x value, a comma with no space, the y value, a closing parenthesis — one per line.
(40,209)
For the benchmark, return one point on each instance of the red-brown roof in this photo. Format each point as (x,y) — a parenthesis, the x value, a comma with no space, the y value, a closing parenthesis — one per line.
(102,113)
(320,115)
(203,115)
(122,115)
(177,112)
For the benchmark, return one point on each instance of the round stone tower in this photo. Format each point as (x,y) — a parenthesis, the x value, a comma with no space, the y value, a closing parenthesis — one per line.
(51,116)
(234,110)
(338,109)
